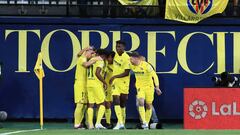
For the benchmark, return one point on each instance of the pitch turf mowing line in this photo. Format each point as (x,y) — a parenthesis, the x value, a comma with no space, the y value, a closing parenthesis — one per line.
(20,131)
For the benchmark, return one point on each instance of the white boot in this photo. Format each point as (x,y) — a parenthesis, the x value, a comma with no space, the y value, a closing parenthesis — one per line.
(99,126)
(119,126)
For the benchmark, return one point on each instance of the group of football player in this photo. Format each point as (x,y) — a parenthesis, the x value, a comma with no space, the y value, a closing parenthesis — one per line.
(102,78)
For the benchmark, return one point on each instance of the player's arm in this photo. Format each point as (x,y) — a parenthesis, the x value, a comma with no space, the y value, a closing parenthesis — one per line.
(83,50)
(154,79)
(124,74)
(156,82)
(91,61)
(100,77)
(126,66)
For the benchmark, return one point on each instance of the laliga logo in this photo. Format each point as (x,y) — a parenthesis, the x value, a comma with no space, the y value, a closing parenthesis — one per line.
(198,109)
(199,6)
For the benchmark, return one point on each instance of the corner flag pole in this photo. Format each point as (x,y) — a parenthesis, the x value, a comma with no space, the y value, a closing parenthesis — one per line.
(38,69)
(41,101)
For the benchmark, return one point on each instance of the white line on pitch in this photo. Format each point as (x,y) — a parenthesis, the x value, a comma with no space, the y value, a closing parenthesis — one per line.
(20,131)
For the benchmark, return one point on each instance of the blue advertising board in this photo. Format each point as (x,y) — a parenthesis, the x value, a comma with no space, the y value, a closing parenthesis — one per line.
(183,56)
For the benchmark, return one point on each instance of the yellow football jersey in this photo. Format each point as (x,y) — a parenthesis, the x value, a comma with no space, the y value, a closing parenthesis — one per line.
(109,72)
(92,79)
(120,64)
(80,73)
(144,74)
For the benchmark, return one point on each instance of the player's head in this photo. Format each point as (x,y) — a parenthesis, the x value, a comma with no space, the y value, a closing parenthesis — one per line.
(135,58)
(102,53)
(110,57)
(89,52)
(142,58)
(120,47)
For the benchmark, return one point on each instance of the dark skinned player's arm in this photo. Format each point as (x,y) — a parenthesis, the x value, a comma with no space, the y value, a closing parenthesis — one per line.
(124,74)
(100,77)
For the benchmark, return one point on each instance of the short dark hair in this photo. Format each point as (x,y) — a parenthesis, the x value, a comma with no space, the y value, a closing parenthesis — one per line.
(101,52)
(111,53)
(121,42)
(134,54)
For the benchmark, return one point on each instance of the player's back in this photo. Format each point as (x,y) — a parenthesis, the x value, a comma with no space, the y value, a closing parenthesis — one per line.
(92,80)
(80,73)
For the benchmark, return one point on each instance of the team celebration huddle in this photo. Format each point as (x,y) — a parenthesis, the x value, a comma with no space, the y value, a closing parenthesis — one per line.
(102,79)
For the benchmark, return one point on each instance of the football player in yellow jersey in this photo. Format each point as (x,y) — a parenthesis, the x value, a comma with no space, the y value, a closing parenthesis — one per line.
(120,83)
(96,86)
(146,78)
(80,92)
(108,100)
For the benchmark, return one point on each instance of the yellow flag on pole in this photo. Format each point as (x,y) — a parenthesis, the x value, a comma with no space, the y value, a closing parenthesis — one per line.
(38,69)
(193,11)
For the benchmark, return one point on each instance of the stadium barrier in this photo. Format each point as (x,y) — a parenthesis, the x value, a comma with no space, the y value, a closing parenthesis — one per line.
(211,108)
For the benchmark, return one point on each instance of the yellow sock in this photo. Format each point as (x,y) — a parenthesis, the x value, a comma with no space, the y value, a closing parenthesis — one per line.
(83,112)
(78,114)
(100,114)
(90,117)
(141,110)
(108,113)
(118,113)
(123,114)
(148,115)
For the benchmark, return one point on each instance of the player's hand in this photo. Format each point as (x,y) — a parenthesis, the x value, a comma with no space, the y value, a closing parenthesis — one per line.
(158,91)
(111,80)
(105,86)
(89,48)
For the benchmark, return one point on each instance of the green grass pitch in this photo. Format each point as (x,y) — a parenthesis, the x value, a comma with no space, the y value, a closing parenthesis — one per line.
(19,128)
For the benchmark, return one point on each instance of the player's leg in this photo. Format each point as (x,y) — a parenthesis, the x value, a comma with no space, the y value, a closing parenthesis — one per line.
(123,102)
(78,115)
(117,108)
(149,99)
(90,116)
(154,117)
(148,112)
(108,113)
(141,109)
(101,111)
(100,98)
(91,102)
(78,98)
(118,112)
(141,102)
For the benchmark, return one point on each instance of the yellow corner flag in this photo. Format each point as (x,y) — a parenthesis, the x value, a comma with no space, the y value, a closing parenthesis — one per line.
(193,11)
(38,69)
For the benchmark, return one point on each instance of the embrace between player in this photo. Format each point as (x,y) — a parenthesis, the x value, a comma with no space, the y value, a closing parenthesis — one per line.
(102,77)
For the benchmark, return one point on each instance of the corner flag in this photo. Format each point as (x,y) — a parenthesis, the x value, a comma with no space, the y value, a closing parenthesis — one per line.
(38,69)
